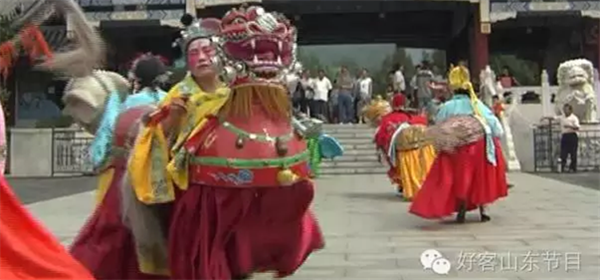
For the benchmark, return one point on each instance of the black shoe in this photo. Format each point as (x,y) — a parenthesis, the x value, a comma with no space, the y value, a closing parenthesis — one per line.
(461,215)
(484,217)
(510,186)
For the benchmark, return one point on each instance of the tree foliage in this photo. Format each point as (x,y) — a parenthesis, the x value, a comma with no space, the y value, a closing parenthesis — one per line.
(525,72)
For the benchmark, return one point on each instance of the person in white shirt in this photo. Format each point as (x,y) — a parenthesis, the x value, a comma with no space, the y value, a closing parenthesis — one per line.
(321,87)
(399,82)
(569,142)
(365,90)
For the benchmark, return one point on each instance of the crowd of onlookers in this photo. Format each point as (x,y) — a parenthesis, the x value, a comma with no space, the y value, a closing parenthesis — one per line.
(340,99)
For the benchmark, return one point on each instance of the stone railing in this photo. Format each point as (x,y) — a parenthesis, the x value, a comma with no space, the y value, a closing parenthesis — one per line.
(47,152)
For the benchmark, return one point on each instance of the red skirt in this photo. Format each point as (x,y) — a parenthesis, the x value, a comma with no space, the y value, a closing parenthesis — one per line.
(465,175)
(224,233)
(27,250)
(105,245)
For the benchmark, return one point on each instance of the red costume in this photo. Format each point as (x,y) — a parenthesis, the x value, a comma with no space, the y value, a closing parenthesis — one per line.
(388,125)
(470,170)
(27,250)
(245,206)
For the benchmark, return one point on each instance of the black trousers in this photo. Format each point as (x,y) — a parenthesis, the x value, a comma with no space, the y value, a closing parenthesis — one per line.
(568,147)
(317,109)
(301,104)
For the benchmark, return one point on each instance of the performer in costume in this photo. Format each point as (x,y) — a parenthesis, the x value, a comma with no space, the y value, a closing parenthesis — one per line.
(468,173)
(147,74)
(401,134)
(159,160)
(242,172)
(105,244)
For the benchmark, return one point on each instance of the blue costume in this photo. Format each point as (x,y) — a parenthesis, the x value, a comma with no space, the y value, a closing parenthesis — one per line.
(101,146)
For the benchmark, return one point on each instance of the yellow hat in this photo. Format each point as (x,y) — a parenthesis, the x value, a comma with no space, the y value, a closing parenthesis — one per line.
(459,78)
(376,109)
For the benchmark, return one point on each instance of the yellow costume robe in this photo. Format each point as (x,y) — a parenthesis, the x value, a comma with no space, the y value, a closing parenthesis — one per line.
(158,164)
(153,152)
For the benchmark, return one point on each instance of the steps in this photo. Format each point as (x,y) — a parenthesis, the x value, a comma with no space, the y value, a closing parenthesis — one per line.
(359,151)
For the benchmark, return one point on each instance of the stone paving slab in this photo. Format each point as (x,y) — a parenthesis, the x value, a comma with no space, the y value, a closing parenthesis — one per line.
(370,235)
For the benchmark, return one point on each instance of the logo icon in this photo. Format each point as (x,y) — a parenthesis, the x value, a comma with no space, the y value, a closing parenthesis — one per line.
(433,259)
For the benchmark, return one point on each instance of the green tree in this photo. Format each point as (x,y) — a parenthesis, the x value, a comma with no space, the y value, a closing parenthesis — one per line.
(309,61)
(525,72)
(438,61)
(381,77)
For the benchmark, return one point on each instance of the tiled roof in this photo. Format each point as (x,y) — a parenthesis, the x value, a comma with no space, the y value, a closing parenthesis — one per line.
(56,36)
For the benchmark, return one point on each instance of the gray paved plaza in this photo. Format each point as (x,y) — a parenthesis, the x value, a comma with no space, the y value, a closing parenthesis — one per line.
(545,229)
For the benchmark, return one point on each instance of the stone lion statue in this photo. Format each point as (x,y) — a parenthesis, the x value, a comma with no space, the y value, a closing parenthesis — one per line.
(576,88)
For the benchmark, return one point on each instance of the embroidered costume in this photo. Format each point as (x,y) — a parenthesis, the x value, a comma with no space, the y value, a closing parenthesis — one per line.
(238,172)
(469,171)
(401,137)
(105,244)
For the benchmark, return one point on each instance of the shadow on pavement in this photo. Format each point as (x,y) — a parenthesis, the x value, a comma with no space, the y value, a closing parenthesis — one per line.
(35,190)
(585,179)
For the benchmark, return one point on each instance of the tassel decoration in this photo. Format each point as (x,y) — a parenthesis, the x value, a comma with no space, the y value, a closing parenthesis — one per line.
(31,40)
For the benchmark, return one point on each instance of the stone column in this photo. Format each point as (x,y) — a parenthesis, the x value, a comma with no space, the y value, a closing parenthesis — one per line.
(546,95)
(481,30)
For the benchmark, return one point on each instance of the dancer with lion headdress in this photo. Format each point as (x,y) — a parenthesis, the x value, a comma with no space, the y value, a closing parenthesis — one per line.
(469,171)
(238,172)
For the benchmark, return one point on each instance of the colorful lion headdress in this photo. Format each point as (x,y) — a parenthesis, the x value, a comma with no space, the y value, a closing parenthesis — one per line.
(256,46)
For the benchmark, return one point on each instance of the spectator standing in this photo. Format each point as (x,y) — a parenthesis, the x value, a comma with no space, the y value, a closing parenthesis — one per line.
(399,81)
(365,91)
(507,80)
(412,95)
(307,85)
(345,84)
(569,142)
(424,77)
(291,81)
(321,87)
(333,104)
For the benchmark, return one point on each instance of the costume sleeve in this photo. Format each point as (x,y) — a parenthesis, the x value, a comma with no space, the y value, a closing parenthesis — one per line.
(100,147)
(148,160)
